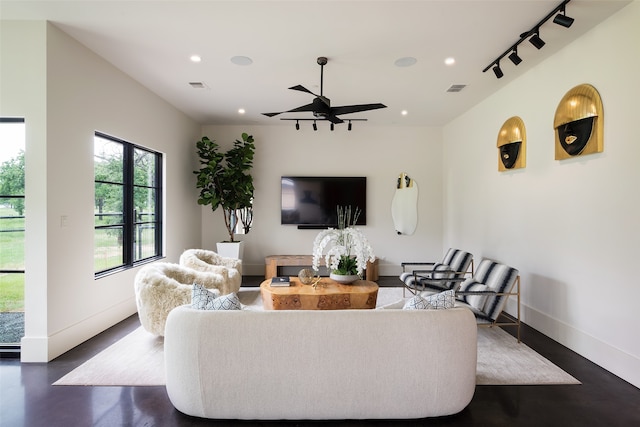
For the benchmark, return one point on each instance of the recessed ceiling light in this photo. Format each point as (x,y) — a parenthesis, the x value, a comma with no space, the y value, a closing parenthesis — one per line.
(195,58)
(241,111)
(450,61)
(241,60)
(407,61)
(404,112)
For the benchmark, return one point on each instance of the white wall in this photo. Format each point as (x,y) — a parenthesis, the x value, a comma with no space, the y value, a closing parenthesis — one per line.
(23,82)
(570,227)
(65,305)
(379,153)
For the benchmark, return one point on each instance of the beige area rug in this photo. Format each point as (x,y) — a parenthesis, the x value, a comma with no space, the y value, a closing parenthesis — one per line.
(137,360)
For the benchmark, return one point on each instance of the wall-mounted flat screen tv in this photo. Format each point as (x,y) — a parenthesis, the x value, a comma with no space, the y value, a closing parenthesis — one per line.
(312,201)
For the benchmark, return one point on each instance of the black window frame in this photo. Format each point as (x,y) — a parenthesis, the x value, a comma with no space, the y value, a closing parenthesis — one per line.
(12,350)
(129,220)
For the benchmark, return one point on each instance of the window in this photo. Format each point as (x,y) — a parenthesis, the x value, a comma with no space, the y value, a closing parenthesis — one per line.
(128,204)
(12,233)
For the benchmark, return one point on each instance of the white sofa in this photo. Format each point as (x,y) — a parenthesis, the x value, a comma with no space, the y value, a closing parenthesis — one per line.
(320,365)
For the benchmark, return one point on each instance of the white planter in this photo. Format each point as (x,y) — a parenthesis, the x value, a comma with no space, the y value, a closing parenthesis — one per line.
(231,249)
(345,280)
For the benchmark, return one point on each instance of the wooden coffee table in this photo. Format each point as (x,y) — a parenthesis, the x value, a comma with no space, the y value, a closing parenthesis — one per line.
(326,295)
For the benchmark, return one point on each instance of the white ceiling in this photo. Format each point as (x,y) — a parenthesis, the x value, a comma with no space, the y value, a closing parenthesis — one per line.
(152,41)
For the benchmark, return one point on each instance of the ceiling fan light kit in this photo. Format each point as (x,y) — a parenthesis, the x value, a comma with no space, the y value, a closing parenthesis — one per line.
(321,107)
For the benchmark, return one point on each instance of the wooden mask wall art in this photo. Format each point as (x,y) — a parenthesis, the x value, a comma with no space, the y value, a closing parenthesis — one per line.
(579,123)
(512,145)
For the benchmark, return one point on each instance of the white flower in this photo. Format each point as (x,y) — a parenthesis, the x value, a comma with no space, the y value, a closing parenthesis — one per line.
(342,245)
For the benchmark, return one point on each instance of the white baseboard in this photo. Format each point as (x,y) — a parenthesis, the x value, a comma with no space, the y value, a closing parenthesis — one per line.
(614,360)
(44,349)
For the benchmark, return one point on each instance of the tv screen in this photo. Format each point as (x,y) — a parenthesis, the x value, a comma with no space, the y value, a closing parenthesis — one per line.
(311,201)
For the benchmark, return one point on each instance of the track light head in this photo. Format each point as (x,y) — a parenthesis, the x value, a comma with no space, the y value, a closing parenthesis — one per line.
(514,57)
(315,126)
(536,40)
(349,126)
(563,20)
(297,125)
(498,71)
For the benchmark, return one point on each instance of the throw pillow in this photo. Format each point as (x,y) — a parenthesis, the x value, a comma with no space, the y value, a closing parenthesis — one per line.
(440,301)
(417,303)
(478,300)
(225,302)
(201,296)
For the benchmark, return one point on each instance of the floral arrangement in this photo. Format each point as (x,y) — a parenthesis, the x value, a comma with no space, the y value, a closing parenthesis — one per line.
(349,250)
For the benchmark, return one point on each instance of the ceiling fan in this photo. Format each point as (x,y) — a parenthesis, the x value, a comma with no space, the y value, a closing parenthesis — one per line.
(321,105)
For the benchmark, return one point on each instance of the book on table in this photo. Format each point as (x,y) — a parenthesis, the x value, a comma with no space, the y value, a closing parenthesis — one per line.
(280,281)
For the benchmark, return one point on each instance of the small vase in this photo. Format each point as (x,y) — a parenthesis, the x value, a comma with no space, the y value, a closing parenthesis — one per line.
(344,279)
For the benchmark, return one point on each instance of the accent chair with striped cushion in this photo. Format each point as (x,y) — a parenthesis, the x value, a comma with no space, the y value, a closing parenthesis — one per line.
(438,276)
(486,293)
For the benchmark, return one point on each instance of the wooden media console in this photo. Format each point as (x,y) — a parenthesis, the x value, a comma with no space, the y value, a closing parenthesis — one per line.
(272,262)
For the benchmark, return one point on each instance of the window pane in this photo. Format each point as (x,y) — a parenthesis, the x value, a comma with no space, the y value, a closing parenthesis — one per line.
(12,307)
(12,244)
(144,168)
(108,204)
(145,241)
(108,252)
(11,292)
(145,204)
(107,160)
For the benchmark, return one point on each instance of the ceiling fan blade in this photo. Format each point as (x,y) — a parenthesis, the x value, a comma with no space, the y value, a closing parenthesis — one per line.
(308,107)
(302,89)
(334,119)
(346,109)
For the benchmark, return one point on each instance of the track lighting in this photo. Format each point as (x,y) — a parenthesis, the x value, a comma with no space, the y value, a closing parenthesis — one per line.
(536,40)
(563,19)
(514,57)
(498,71)
(533,35)
(332,125)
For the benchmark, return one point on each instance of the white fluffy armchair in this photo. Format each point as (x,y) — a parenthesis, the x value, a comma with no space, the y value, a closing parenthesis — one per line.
(160,287)
(204,260)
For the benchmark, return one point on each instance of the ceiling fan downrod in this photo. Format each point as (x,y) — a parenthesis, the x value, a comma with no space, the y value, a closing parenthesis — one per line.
(322,61)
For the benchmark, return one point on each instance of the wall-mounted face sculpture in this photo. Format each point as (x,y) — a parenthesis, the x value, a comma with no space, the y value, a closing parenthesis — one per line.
(579,122)
(512,145)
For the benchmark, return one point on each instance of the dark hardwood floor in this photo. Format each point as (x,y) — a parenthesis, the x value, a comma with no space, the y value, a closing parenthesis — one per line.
(27,397)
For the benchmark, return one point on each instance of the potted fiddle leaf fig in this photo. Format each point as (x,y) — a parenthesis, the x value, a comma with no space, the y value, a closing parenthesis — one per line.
(225,182)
